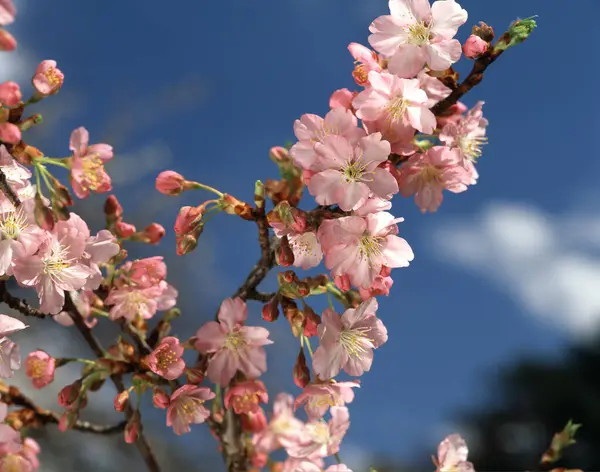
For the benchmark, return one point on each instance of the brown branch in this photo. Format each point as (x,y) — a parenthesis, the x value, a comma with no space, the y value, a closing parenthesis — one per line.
(474,77)
(20,305)
(13,396)
(8,191)
(142,443)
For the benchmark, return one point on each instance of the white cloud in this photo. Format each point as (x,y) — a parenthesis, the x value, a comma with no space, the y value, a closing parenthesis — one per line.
(549,264)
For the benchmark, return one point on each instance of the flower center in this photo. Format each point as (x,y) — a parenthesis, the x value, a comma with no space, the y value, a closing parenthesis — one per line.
(165,357)
(354,171)
(37,368)
(396,109)
(52,77)
(319,432)
(187,407)
(370,246)
(471,146)
(12,223)
(430,173)
(12,463)
(360,74)
(246,402)
(353,341)
(93,169)
(323,131)
(235,341)
(418,33)
(325,399)
(56,261)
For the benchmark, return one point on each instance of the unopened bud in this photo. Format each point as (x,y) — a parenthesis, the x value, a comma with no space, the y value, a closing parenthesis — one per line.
(153,233)
(10,133)
(301,372)
(170,183)
(474,47)
(112,209)
(270,310)
(132,428)
(121,400)
(160,399)
(279,154)
(44,217)
(124,230)
(284,256)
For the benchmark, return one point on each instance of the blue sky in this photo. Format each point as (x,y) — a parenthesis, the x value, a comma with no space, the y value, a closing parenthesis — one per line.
(482,290)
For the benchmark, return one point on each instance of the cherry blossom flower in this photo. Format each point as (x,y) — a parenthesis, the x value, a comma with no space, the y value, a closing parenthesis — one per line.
(400,103)
(307,250)
(233,345)
(381,285)
(347,174)
(322,439)
(434,88)
(10,93)
(144,273)
(48,79)
(40,368)
(31,449)
(87,169)
(284,429)
(467,135)
(366,61)
(311,129)
(452,455)
(19,235)
(187,407)
(10,440)
(415,34)
(347,341)
(360,246)
(130,302)
(426,176)
(245,396)
(166,359)
(318,398)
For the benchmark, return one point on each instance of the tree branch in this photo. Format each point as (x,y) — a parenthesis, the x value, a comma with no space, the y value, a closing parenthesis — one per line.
(13,396)
(20,305)
(141,443)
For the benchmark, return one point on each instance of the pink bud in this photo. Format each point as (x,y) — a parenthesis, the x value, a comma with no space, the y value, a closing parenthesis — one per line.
(187,219)
(341,98)
(112,208)
(7,41)
(254,422)
(300,371)
(270,310)
(194,376)
(124,230)
(67,420)
(10,133)
(160,399)
(474,47)
(69,394)
(153,233)
(185,244)
(48,79)
(170,183)
(121,400)
(10,94)
(342,282)
(279,154)
(132,428)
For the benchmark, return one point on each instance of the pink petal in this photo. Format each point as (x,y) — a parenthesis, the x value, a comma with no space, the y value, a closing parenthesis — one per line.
(407,61)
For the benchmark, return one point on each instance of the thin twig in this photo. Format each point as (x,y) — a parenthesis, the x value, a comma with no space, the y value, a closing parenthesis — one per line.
(8,191)
(141,443)
(20,305)
(13,396)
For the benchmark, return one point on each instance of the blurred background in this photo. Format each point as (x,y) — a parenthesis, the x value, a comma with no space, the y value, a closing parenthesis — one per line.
(494,326)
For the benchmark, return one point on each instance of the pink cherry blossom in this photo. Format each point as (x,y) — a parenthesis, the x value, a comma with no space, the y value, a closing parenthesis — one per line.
(311,129)
(187,407)
(233,345)
(10,358)
(467,135)
(10,133)
(347,341)
(48,79)
(284,429)
(7,12)
(452,455)
(434,88)
(130,302)
(381,286)
(166,359)
(474,47)
(347,174)
(245,396)
(87,170)
(31,449)
(322,439)
(366,61)
(99,249)
(307,249)
(452,114)
(415,34)
(10,93)
(400,103)
(15,463)
(318,398)
(341,98)
(40,367)
(19,236)
(360,246)
(426,176)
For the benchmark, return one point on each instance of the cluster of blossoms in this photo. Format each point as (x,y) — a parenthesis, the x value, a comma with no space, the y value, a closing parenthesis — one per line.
(402,133)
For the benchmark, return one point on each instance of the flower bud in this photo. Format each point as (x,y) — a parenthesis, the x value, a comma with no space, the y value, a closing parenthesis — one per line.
(67,420)
(121,400)
(153,233)
(160,399)
(284,256)
(185,244)
(44,217)
(279,153)
(69,394)
(194,376)
(301,372)
(48,79)
(10,133)
(188,219)
(124,230)
(474,47)
(270,310)
(132,428)
(311,322)
(170,183)
(7,41)
(112,209)
(10,94)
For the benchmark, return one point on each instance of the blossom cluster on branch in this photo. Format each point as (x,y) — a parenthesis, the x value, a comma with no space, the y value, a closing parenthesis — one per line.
(403,132)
